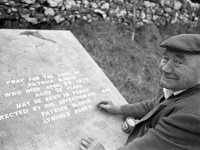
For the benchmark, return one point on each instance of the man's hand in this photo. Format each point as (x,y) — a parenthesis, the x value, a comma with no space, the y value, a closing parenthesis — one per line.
(109,107)
(90,144)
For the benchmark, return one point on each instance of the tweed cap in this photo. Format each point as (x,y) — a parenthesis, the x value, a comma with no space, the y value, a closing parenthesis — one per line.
(189,43)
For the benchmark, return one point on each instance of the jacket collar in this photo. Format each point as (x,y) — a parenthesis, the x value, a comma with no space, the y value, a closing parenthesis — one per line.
(189,91)
(158,107)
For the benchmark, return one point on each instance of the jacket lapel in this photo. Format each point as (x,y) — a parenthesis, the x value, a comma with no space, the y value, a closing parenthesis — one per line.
(154,111)
(168,101)
(138,129)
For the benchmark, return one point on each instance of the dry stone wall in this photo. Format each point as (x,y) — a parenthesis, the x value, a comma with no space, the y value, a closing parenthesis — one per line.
(129,12)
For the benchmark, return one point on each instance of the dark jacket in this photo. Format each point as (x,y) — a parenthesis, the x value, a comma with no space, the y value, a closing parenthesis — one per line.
(171,124)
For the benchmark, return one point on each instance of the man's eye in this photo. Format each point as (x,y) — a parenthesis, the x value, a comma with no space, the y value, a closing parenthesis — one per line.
(165,58)
(178,62)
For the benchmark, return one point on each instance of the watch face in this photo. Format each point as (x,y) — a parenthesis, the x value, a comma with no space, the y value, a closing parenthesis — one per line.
(128,124)
(131,122)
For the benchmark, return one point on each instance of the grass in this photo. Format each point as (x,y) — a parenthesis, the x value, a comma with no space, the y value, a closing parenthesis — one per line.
(131,67)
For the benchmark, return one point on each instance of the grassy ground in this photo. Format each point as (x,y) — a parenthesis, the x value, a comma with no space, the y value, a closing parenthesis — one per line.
(132,65)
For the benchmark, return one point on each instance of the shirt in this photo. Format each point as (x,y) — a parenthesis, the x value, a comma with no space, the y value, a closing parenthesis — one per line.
(168,93)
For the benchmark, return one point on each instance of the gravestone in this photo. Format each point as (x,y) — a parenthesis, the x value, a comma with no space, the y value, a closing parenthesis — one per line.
(49,89)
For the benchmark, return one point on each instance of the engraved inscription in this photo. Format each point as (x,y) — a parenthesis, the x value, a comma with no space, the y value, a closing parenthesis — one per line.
(53,97)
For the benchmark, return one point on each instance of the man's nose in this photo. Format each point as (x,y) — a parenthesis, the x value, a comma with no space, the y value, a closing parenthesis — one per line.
(167,67)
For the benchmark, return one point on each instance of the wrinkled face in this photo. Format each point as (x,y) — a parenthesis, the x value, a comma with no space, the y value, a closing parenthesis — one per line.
(179,70)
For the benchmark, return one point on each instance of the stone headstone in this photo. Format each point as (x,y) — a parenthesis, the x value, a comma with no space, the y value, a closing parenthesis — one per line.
(49,89)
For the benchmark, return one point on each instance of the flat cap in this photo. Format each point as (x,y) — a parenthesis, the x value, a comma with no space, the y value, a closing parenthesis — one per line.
(189,43)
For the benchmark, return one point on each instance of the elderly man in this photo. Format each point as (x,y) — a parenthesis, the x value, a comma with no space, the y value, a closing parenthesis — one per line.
(172,120)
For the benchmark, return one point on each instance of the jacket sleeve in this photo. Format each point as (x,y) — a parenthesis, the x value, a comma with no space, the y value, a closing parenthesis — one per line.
(137,110)
(140,109)
(179,131)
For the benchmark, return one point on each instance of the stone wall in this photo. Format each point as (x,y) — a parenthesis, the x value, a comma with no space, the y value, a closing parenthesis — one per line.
(129,12)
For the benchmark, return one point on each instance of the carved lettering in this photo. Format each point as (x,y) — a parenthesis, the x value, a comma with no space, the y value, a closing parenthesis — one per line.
(17,81)
(14,93)
(44,93)
(54,110)
(52,100)
(23,104)
(13,114)
(56,117)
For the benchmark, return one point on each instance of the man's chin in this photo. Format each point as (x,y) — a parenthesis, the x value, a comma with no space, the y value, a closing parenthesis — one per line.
(166,85)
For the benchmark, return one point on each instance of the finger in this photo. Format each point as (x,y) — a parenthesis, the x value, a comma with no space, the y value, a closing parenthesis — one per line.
(102,102)
(84,143)
(82,147)
(103,107)
(124,126)
(91,139)
(87,140)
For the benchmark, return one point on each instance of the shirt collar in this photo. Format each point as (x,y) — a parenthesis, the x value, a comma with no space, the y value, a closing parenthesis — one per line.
(168,93)
(178,92)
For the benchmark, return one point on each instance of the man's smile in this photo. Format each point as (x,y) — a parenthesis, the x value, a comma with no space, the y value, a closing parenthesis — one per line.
(169,77)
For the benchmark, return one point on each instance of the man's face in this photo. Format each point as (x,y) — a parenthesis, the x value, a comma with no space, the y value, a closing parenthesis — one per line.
(179,70)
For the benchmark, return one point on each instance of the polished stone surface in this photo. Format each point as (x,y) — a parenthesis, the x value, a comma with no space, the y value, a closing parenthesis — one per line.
(49,88)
